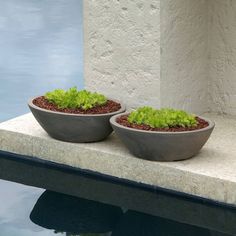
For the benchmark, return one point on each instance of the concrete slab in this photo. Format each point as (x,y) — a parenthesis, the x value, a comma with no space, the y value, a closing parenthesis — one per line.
(211,174)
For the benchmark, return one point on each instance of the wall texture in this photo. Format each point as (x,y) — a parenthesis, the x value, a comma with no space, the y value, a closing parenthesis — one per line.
(222,55)
(184,55)
(132,53)
(164,53)
(122,49)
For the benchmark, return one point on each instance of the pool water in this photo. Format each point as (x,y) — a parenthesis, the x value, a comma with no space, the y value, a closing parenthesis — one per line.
(41,49)
(26,211)
(16,203)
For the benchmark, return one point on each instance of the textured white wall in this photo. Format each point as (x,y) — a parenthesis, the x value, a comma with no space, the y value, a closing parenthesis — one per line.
(184,76)
(168,53)
(123,58)
(222,55)
(122,49)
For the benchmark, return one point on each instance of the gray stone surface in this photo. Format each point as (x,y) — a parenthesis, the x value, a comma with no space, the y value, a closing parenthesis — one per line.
(211,174)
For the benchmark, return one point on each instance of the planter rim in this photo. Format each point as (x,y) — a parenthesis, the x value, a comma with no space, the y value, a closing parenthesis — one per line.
(113,122)
(122,109)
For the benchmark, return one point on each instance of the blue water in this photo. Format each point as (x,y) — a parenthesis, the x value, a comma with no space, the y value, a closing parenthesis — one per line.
(16,203)
(29,211)
(41,48)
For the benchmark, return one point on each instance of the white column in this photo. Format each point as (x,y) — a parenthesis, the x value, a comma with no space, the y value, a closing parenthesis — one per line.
(163,53)
(184,65)
(122,49)
(222,46)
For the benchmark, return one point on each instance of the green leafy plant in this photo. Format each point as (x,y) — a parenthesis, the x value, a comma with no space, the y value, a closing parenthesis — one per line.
(162,118)
(72,98)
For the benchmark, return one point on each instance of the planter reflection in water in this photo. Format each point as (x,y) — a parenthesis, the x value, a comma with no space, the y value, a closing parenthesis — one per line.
(162,145)
(65,213)
(73,124)
(135,223)
(74,215)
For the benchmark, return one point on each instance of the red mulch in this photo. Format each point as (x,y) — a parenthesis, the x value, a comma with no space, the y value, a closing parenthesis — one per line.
(110,106)
(122,120)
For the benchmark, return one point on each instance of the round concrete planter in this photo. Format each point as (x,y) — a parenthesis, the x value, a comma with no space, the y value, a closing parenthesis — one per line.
(78,128)
(162,146)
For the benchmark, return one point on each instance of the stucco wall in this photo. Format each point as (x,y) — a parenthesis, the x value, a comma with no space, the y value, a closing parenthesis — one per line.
(222,55)
(123,52)
(122,49)
(184,78)
(168,53)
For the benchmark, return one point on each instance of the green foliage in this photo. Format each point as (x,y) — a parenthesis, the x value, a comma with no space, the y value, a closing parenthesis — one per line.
(72,98)
(162,118)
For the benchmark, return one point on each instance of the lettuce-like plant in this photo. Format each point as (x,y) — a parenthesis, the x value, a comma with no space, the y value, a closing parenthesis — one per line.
(163,118)
(72,98)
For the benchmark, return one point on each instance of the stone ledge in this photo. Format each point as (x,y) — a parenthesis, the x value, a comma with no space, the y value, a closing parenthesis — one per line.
(211,174)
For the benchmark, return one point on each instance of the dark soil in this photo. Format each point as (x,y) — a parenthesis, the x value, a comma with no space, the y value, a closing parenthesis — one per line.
(110,106)
(122,120)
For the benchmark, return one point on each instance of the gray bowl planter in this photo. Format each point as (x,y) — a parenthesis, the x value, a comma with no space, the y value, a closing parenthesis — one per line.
(78,128)
(162,146)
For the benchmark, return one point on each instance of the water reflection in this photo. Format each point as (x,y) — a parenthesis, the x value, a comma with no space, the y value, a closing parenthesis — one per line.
(142,210)
(74,215)
(41,49)
(16,203)
(78,216)
(138,224)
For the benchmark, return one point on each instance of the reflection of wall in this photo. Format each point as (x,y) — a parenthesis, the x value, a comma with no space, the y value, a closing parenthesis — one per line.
(41,49)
